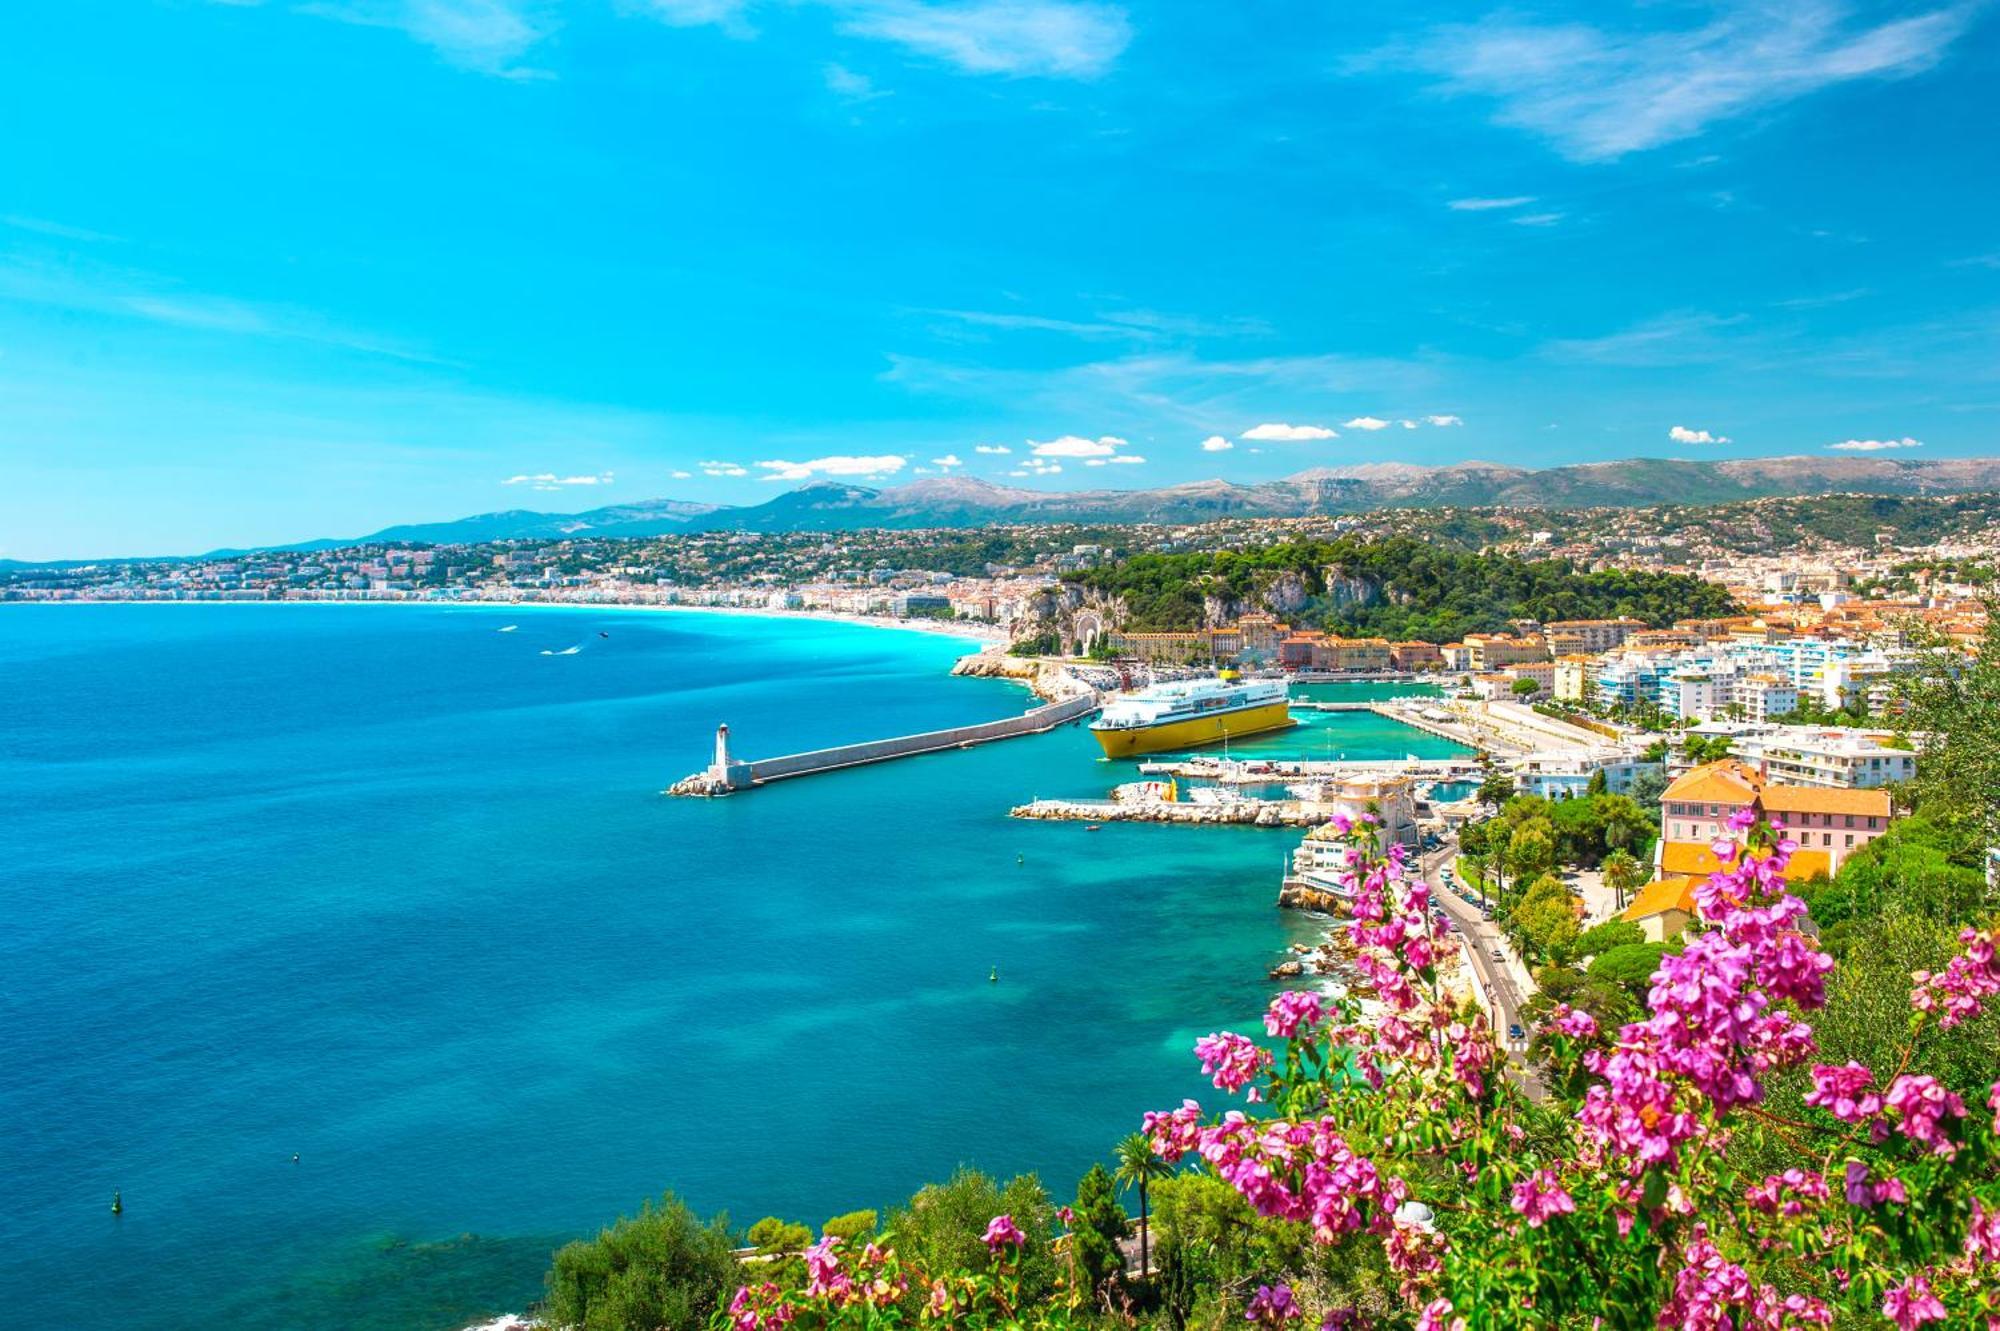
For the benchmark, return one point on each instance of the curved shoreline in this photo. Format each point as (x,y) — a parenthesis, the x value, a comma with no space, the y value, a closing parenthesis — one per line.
(983,636)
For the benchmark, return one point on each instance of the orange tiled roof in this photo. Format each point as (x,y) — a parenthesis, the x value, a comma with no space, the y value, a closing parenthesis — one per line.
(1675,892)
(1818,799)
(1726,782)
(1696,859)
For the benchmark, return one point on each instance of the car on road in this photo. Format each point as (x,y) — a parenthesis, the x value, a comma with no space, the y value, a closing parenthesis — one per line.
(1499,955)
(1514,1031)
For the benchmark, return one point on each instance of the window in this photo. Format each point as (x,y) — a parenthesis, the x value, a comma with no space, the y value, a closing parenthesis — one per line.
(1850,823)
(1850,840)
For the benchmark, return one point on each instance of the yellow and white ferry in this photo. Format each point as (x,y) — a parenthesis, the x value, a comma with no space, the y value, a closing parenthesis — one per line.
(1191,712)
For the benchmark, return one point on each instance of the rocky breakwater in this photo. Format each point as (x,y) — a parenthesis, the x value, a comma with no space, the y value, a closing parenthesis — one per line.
(1048,680)
(1251,813)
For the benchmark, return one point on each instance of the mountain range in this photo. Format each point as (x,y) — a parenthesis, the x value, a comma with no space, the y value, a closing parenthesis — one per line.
(965,501)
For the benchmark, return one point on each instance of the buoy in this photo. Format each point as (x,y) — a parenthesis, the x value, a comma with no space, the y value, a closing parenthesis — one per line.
(1020,859)
(295,1157)
(994,976)
(117,1203)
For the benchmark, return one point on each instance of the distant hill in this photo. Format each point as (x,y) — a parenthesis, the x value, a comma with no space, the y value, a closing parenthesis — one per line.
(965,501)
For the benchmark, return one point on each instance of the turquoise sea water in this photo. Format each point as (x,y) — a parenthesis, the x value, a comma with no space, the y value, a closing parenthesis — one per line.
(387,888)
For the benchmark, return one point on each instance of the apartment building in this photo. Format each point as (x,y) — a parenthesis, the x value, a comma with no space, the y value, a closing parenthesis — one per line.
(1829,824)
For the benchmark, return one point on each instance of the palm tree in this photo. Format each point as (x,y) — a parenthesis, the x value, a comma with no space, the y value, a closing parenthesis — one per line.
(1138,1166)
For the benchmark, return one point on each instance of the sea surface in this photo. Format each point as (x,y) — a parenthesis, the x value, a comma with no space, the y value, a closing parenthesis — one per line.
(357,950)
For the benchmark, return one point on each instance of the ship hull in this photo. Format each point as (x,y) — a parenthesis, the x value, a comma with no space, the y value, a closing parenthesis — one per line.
(1194,731)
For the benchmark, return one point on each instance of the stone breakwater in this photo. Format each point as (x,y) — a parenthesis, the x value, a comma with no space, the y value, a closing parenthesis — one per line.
(1248,813)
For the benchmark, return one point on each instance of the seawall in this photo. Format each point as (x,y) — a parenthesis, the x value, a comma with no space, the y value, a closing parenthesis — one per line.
(746,774)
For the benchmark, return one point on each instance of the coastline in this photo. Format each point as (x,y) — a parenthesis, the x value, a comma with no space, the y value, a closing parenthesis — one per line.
(986,636)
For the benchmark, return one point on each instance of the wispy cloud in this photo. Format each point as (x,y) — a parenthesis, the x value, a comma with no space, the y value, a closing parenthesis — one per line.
(1537,219)
(1176,387)
(948,461)
(150,298)
(1683,337)
(1875,445)
(1681,434)
(991,448)
(1443,421)
(1288,434)
(487,36)
(883,464)
(849,86)
(728,469)
(1600,93)
(1037,467)
(60,230)
(1064,38)
(1365,423)
(1134,325)
(1487,205)
(548,480)
(1124,459)
(1215,443)
(726,14)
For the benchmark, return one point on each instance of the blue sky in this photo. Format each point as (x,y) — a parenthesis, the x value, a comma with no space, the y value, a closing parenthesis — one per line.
(278,270)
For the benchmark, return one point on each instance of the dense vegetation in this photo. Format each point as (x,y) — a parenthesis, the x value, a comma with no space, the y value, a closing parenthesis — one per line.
(1400,588)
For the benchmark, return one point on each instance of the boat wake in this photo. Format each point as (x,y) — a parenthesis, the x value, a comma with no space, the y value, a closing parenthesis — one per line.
(508,629)
(567,651)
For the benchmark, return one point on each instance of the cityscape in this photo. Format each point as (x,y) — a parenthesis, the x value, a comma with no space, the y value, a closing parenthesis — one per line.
(1000,665)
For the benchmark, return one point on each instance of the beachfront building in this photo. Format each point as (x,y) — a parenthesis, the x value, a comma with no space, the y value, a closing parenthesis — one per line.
(1571,677)
(1416,656)
(1566,773)
(1589,636)
(1828,823)
(1826,756)
(1490,651)
(1391,798)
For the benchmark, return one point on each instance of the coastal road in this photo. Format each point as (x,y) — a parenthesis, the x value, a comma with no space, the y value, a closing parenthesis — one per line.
(1480,937)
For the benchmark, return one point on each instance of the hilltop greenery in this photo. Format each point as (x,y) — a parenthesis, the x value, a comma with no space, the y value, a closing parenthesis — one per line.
(1398,588)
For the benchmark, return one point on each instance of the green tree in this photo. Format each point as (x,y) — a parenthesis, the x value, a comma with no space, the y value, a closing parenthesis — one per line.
(1631,966)
(772,1235)
(1496,789)
(1531,850)
(1623,874)
(1525,688)
(1098,1225)
(1951,704)
(1138,1168)
(941,1226)
(1598,784)
(661,1270)
(852,1226)
(1603,937)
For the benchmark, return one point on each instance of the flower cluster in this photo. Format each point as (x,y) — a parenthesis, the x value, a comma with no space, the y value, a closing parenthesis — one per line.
(1409,1093)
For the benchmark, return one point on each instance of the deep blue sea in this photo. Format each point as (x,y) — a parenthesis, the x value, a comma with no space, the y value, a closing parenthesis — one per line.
(397,892)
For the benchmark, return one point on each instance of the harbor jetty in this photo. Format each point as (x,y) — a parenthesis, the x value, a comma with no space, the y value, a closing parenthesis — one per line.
(1068,699)
(728,774)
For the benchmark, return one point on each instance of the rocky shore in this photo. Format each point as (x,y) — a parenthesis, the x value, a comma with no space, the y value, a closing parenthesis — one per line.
(1048,680)
(1248,813)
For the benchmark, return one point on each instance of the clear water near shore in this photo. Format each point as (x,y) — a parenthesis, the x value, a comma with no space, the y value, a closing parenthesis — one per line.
(394,891)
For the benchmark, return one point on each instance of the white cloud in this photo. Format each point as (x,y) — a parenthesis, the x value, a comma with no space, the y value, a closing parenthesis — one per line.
(1290,434)
(1129,458)
(1066,38)
(1442,420)
(1075,446)
(1215,443)
(1365,423)
(882,464)
(1599,93)
(1875,445)
(1536,219)
(1484,205)
(1036,467)
(1680,434)
(948,461)
(723,469)
(850,86)
(694,13)
(680,475)
(991,448)
(487,36)
(548,480)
